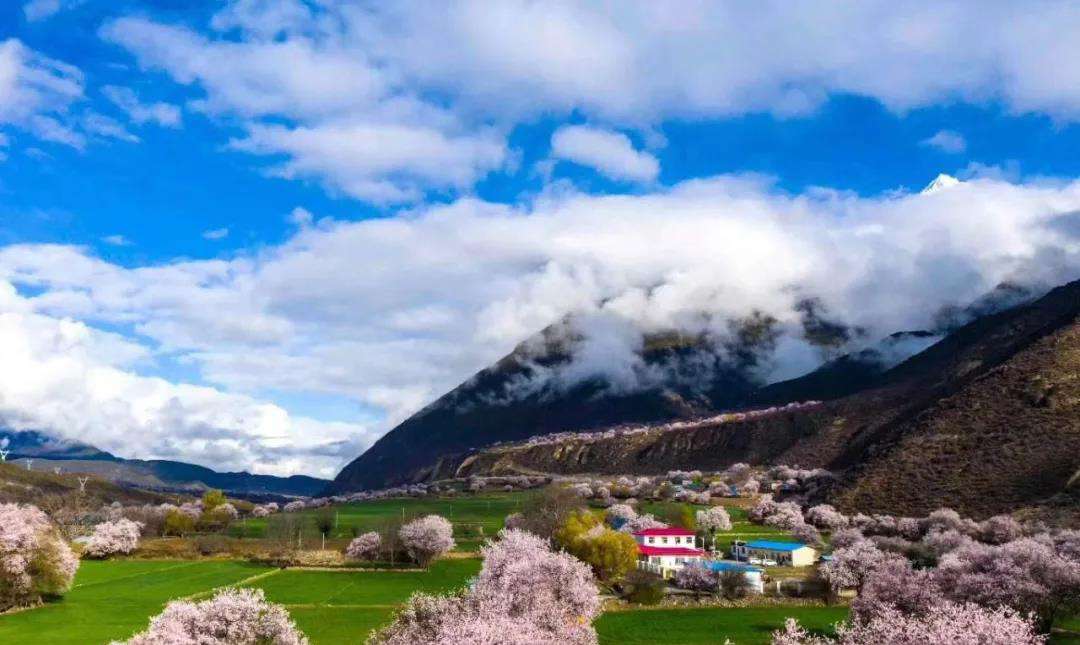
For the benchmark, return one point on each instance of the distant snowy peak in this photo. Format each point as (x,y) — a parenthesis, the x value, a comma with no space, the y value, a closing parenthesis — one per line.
(941,182)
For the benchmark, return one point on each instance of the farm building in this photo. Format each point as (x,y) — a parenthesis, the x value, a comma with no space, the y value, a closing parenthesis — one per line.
(768,552)
(755,576)
(665,551)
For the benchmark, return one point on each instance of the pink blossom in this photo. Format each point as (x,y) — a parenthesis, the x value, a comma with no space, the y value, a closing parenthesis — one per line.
(764,508)
(851,565)
(232,617)
(427,538)
(640,523)
(947,623)
(294,506)
(364,547)
(618,514)
(696,577)
(524,595)
(999,530)
(111,538)
(34,560)
(714,519)
(825,516)
(786,515)
(807,535)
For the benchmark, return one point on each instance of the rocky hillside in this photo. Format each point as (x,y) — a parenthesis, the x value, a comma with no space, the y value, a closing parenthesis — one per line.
(987,419)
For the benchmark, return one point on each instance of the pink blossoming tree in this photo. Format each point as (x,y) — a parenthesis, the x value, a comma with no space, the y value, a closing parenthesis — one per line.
(525,594)
(232,617)
(112,538)
(947,623)
(364,547)
(427,538)
(34,559)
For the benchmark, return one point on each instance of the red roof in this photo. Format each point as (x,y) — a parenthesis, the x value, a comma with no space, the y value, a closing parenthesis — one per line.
(668,531)
(664,550)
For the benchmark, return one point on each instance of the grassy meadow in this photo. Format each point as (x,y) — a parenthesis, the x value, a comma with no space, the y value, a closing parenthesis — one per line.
(113,599)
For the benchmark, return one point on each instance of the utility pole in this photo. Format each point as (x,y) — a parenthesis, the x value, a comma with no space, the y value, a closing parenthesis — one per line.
(82,485)
(4,454)
(29,464)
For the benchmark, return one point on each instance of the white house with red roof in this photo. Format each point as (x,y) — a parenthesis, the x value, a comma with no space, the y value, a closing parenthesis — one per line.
(665,551)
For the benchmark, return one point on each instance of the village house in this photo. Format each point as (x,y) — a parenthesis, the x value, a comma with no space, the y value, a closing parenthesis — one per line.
(774,554)
(665,551)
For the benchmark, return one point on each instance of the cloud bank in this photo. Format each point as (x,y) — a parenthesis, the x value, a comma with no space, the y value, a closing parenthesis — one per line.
(393,312)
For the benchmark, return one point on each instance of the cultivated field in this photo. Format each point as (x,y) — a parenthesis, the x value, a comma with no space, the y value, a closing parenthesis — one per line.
(474,517)
(113,599)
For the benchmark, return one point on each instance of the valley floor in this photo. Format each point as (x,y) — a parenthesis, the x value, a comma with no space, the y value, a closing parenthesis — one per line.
(113,599)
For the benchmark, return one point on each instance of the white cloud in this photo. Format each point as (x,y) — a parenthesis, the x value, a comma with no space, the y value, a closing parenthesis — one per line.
(163,114)
(103,126)
(405,83)
(638,61)
(376,162)
(610,153)
(63,376)
(36,93)
(116,240)
(947,141)
(391,312)
(216,234)
(36,10)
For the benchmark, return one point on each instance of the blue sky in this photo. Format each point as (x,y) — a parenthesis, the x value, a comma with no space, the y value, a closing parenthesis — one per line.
(320,215)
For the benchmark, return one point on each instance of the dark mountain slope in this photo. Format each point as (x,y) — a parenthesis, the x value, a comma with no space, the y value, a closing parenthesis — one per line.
(1009,438)
(987,420)
(522,396)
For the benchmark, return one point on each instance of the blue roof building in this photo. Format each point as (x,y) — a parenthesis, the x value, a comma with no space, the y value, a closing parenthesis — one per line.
(774,553)
(774,546)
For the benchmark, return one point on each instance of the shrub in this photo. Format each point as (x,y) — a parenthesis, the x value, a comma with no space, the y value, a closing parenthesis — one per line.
(209,544)
(112,538)
(232,617)
(733,584)
(178,523)
(364,547)
(644,588)
(427,538)
(34,560)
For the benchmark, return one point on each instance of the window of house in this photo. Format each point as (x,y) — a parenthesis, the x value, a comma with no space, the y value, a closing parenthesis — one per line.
(665,540)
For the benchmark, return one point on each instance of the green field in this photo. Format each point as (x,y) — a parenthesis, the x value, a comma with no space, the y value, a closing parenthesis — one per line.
(473,517)
(114,599)
(708,626)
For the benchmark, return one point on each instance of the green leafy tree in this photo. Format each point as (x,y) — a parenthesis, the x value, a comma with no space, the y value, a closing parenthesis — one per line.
(211,499)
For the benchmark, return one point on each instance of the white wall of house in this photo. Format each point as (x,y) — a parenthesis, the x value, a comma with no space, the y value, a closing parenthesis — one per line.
(672,541)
